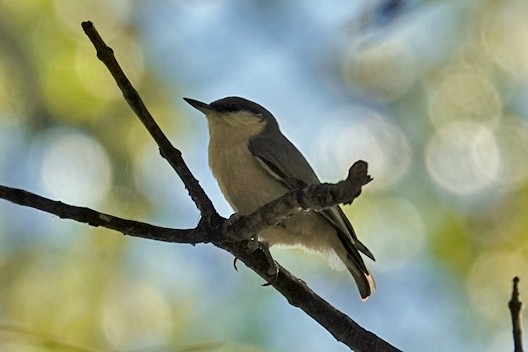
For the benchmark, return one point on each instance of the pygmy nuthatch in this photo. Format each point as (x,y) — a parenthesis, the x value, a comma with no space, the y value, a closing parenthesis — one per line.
(254,164)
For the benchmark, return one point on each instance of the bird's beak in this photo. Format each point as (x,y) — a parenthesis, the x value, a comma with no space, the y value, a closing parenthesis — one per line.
(203,107)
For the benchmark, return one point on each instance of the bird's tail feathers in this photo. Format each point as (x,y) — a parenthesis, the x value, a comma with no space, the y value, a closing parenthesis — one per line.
(363,249)
(364,280)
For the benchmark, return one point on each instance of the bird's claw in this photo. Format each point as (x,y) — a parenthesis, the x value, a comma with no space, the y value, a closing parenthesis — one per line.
(252,244)
(273,270)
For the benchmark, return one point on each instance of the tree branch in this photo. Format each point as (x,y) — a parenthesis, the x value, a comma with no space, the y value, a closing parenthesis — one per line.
(516,307)
(167,150)
(294,290)
(220,232)
(299,295)
(96,219)
(314,197)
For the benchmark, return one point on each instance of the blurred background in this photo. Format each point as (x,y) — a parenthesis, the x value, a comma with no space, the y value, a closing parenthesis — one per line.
(430,93)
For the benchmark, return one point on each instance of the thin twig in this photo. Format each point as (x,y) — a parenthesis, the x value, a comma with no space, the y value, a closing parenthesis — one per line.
(96,219)
(516,307)
(167,150)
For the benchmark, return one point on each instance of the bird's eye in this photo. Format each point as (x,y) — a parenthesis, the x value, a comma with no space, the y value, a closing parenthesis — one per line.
(260,116)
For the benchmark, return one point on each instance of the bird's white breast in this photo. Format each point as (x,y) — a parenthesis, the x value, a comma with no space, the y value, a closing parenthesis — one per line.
(247,185)
(243,181)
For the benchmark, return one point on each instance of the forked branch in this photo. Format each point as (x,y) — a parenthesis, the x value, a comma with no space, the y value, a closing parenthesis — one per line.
(228,235)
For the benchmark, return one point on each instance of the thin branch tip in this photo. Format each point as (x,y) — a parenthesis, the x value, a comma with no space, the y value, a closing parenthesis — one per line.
(168,151)
(515,291)
(516,307)
(359,170)
(86,24)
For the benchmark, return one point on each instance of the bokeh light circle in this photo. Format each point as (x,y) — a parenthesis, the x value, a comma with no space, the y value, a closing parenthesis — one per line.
(505,35)
(463,92)
(392,228)
(382,71)
(512,138)
(368,136)
(463,157)
(74,167)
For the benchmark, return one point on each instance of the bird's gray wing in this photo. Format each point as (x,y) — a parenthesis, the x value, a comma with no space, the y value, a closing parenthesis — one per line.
(294,171)
(289,168)
(339,220)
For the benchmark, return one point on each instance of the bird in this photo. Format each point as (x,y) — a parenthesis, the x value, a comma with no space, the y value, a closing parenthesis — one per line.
(254,164)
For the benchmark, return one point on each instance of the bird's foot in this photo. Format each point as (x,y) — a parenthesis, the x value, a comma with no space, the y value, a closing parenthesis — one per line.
(273,270)
(252,245)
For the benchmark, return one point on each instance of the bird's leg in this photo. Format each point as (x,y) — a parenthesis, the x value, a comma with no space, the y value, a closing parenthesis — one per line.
(252,245)
(273,271)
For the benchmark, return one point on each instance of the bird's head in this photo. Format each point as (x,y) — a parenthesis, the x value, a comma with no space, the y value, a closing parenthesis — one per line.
(235,113)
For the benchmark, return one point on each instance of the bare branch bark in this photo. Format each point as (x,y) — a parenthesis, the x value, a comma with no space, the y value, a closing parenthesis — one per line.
(297,293)
(167,150)
(225,234)
(96,219)
(314,197)
(516,307)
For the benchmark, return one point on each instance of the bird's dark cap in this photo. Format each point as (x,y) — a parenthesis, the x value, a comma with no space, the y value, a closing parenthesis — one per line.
(229,104)
(234,104)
